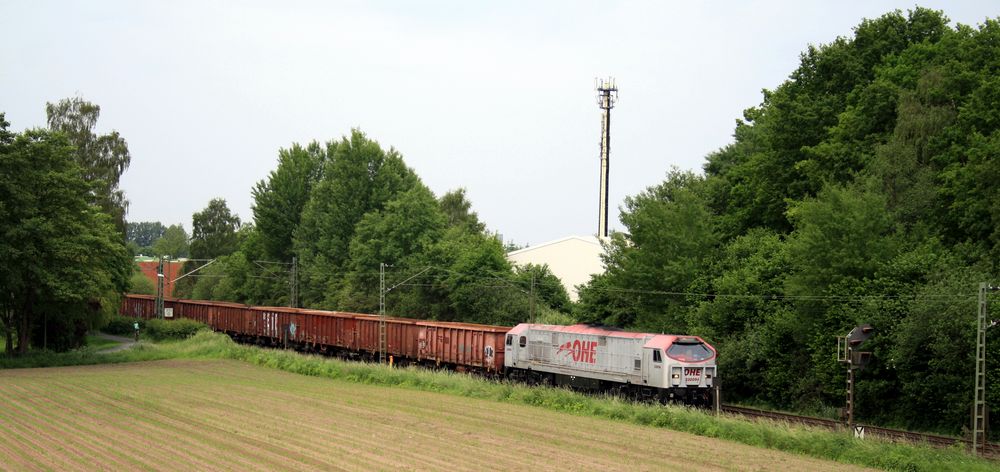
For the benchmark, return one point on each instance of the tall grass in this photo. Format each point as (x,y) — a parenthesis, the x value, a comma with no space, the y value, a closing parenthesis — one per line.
(791,438)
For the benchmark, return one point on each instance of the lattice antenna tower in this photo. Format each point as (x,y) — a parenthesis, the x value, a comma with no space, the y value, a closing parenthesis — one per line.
(607,95)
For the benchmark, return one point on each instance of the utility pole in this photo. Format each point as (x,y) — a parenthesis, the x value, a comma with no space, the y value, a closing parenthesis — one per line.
(382,345)
(607,95)
(979,410)
(293,297)
(381,313)
(159,288)
(531,318)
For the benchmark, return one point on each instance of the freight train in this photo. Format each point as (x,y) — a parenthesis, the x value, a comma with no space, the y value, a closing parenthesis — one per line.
(653,367)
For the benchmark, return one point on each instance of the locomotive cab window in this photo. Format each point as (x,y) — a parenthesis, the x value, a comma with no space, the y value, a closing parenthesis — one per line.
(510,339)
(689,350)
(656,356)
(523,341)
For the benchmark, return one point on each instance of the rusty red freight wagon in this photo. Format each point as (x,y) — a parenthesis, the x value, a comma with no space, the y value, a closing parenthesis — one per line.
(461,346)
(464,346)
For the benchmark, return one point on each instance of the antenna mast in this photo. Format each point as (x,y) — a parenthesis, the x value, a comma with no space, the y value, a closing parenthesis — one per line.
(607,95)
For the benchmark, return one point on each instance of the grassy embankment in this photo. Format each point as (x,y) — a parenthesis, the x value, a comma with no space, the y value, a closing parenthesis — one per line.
(811,442)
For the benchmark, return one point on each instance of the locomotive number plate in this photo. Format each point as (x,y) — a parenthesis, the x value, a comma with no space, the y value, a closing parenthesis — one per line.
(692,374)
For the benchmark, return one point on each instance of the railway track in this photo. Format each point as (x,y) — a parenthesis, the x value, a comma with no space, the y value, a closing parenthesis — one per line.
(989,450)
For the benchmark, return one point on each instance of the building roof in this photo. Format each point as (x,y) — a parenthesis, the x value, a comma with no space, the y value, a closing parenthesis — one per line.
(572,259)
(585,239)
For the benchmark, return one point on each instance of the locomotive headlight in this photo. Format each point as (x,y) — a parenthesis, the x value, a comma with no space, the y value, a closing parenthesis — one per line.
(675,376)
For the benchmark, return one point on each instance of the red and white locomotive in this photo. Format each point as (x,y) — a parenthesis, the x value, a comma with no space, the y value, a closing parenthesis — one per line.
(661,367)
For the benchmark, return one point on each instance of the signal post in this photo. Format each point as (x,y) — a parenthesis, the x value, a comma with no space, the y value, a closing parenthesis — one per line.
(848,353)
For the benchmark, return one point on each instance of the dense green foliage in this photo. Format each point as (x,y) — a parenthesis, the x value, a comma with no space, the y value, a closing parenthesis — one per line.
(63,265)
(214,234)
(151,238)
(122,325)
(140,284)
(173,243)
(342,210)
(279,200)
(102,158)
(161,330)
(806,441)
(155,329)
(862,189)
(141,236)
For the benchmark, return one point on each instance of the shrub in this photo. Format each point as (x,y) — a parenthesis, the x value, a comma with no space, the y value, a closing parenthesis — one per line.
(159,330)
(122,326)
(141,284)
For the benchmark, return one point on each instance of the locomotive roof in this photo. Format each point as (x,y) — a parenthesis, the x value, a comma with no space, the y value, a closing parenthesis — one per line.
(653,341)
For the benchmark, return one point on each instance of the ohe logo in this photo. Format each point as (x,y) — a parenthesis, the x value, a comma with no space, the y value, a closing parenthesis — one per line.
(581,351)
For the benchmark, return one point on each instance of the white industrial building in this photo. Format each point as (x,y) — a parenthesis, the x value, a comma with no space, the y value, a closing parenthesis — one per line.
(573,260)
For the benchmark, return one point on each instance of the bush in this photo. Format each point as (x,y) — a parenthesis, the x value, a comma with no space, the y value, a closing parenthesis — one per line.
(159,330)
(141,284)
(122,326)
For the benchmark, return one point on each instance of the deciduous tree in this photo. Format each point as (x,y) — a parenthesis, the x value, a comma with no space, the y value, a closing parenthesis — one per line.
(102,158)
(358,177)
(173,242)
(279,200)
(61,261)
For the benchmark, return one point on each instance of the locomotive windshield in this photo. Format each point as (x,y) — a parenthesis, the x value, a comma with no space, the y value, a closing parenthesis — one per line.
(689,350)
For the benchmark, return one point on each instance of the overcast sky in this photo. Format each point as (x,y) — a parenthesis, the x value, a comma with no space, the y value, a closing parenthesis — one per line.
(497,98)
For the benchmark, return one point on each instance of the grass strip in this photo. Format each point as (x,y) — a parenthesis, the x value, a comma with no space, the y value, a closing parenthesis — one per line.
(796,439)
(98,343)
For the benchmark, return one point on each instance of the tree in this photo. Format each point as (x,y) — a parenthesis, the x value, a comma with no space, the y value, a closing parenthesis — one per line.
(548,289)
(173,242)
(140,284)
(471,281)
(843,234)
(458,211)
(145,233)
(103,159)
(935,352)
(213,231)
(406,228)
(358,177)
(279,201)
(213,234)
(822,125)
(669,238)
(62,264)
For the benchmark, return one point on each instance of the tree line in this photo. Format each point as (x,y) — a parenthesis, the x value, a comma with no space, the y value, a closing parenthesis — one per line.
(344,211)
(862,189)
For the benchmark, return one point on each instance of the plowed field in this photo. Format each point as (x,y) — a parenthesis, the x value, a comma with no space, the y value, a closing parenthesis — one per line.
(206,415)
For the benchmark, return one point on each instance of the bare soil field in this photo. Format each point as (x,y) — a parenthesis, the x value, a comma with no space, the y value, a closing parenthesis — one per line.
(211,415)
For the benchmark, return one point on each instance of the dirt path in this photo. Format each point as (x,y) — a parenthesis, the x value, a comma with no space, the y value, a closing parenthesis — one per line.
(126,343)
(210,415)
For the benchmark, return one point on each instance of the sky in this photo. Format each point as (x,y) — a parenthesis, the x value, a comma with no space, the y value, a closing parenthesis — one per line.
(494,97)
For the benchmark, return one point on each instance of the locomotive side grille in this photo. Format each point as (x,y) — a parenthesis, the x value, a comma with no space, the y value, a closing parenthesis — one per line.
(540,348)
